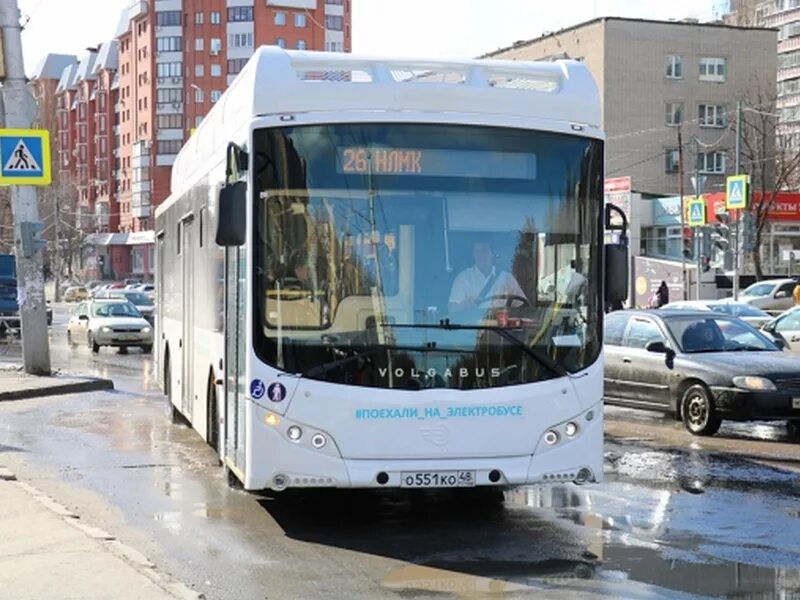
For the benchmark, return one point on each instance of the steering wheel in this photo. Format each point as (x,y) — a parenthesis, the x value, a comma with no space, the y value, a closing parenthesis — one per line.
(509,298)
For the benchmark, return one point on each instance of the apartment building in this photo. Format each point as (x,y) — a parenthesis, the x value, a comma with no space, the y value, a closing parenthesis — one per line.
(657,78)
(126,108)
(783,15)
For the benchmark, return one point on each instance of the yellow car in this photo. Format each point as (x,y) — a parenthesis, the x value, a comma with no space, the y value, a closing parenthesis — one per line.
(76,293)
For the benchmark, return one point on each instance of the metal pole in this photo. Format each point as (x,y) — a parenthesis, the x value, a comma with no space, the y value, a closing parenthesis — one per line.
(736,167)
(20,105)
(699,232)
(57,241)
(683,224)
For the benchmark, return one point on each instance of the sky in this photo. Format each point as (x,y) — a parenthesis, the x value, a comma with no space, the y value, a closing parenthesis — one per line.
(413,28)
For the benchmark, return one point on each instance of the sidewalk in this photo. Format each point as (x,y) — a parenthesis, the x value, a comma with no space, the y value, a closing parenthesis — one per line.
(15,384)
(47,552)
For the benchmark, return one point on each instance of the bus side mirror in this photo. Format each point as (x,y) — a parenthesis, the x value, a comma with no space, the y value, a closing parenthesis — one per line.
(616,273)
(232,224)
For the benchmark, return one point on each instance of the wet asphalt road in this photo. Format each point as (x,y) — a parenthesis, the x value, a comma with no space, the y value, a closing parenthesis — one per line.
(676,517)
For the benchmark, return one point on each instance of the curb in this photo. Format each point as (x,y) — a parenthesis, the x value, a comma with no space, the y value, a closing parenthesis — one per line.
(142,564)
(73,387)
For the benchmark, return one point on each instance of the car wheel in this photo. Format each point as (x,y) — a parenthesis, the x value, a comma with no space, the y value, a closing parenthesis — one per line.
(793,429)
(147,349)
(70,341)
(698,412)
(92,344)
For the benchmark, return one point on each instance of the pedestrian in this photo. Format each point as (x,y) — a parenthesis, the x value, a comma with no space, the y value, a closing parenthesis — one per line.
(796,293)
(663,294)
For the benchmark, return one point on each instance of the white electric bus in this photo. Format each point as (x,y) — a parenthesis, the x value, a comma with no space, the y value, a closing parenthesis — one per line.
(389,273)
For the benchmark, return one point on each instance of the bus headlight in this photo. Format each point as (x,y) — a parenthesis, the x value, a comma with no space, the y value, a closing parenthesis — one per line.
(571,429)
(551,437)
(294,433)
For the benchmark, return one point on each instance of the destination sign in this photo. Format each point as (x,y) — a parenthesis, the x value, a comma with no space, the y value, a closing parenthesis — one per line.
(427,162)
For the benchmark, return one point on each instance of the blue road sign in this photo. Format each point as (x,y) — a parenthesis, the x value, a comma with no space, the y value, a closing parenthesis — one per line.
(736,187)
(697,213)
(24,157)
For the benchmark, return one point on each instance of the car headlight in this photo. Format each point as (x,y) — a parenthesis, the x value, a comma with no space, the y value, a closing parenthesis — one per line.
(752,382)
(146,329)
(106,329)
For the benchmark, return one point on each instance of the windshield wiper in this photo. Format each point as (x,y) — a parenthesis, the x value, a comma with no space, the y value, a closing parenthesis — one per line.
(326,367)
(445,324)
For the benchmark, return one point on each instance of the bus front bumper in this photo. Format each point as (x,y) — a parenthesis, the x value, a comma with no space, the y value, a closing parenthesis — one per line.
(299,465)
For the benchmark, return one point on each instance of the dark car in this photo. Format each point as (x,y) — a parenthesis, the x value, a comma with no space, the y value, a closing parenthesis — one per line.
(700,368)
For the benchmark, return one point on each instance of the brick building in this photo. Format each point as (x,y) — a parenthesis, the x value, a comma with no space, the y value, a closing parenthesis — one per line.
(125,108)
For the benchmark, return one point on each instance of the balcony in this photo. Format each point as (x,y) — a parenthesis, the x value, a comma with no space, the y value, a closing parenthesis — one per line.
(137,8)
(169,108)
(301,4)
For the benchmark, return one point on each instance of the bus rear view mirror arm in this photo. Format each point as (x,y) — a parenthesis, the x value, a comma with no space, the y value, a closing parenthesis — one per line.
(232,224)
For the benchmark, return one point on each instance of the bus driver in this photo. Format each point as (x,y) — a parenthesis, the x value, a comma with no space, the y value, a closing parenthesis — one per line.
(482,283)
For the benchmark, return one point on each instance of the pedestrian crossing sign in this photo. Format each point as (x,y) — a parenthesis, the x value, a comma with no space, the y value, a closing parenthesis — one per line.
(697,212)
(736,196)
(24,157)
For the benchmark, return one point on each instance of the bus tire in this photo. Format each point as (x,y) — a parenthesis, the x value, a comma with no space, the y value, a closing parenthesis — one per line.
(212,414)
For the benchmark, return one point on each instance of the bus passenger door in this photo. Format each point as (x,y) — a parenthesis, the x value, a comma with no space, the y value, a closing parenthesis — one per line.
(234,356)
(187,270)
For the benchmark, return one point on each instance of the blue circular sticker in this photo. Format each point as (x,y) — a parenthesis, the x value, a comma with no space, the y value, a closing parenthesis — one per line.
(276,392)
(257,389)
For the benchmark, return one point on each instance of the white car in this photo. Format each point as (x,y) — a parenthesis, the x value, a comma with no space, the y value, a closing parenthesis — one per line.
(142,302)
(772,295)
(786,327)
(746,312)
(113,322)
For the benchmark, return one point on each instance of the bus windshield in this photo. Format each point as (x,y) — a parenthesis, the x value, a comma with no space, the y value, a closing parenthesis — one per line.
(415,256)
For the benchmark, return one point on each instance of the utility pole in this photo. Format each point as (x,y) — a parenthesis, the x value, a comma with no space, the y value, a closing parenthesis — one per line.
(683,220)
(57,242)
(20,106)
(737,164)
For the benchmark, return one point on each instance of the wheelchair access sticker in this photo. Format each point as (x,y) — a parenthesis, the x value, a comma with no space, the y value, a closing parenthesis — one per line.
(257,389)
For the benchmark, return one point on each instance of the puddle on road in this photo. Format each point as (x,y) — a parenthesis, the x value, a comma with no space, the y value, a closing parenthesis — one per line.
(666,546)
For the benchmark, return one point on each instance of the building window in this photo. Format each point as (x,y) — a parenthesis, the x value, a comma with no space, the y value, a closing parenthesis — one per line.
(198,96)
(216,70)
(280,43)
(169,95)
(300,45)
(169,44)
(336,2)
(235,65)
(672,157)
(711,162)
(711,115)
(169,146)
(197,120)
(240,40)
(280,18)
(674,113)
(198,44)
(215,17)
(199,70)
(169,121)
(216,45)
(198,17)
(172,69)
(240,13)
(168,17)
(300,19)
(712,69)
(674,67)
(215,95)
(334,22)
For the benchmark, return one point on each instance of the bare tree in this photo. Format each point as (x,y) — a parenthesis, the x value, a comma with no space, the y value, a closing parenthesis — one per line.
(772,166)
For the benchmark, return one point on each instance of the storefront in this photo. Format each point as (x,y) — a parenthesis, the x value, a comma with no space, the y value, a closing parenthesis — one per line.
(118,255)
(662,238)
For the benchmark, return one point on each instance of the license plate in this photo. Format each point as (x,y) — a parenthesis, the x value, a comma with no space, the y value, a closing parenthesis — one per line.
(438,479)
(127,336)
(795,402)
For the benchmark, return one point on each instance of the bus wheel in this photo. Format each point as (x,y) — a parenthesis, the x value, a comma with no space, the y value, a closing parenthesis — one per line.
(212,415)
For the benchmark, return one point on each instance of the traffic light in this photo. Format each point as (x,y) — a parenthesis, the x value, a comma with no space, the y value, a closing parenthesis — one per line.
(30,241)
(688,242)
